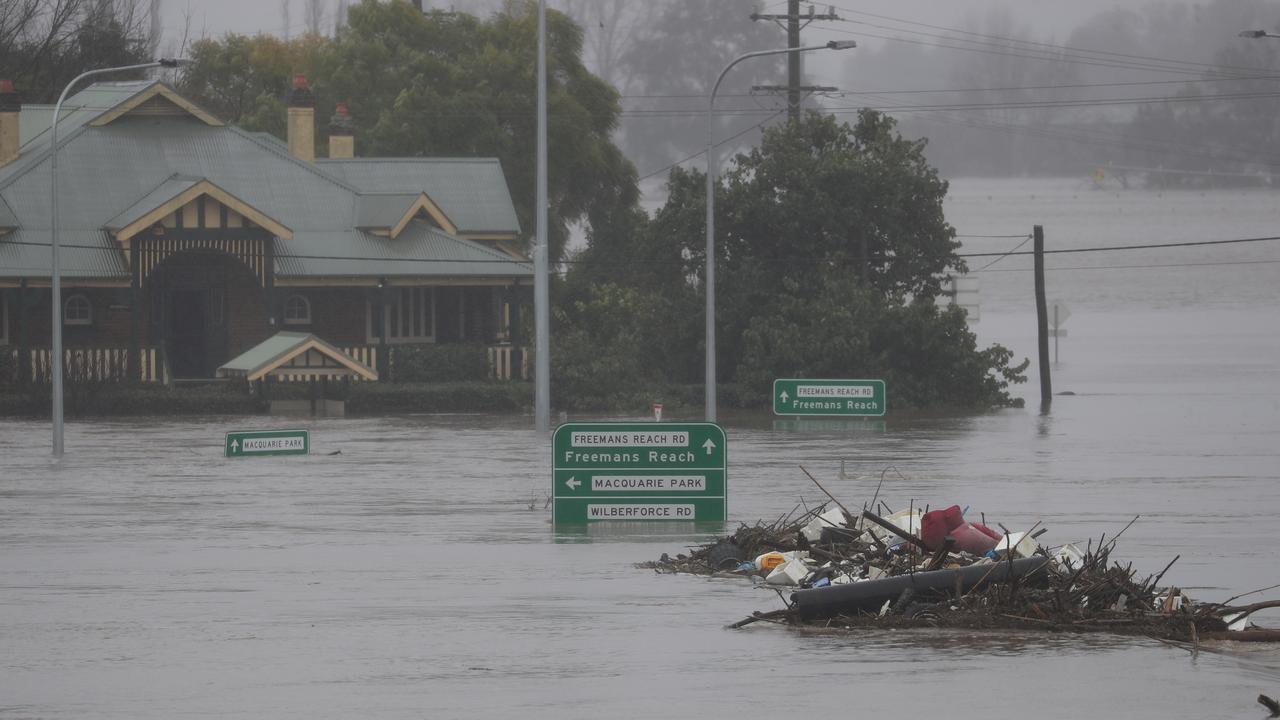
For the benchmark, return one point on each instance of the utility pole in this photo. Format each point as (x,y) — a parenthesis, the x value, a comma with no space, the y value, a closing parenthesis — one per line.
(1042,321)
(793,26)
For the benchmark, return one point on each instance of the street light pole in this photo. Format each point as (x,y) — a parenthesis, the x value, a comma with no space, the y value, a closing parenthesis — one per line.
(55,290)
(541,274)
(712,170)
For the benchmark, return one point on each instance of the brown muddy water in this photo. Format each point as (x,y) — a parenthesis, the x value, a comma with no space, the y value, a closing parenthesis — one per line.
(415,574)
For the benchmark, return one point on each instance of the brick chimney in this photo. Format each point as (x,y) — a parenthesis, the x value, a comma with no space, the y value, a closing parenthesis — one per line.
(302,120)
(10,106)
(342,141)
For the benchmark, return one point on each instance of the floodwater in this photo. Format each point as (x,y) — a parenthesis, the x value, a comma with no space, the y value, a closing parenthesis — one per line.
(415,573)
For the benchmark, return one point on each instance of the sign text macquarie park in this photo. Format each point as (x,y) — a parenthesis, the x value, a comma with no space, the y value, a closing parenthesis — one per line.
(638,471)
(828,397)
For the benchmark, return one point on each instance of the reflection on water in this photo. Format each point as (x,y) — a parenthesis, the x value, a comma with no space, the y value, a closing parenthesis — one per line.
(416,573)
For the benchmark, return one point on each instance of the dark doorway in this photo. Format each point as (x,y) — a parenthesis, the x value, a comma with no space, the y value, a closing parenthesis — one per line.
(187,333)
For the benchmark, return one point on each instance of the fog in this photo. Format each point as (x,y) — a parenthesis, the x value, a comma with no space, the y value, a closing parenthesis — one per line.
(998,88)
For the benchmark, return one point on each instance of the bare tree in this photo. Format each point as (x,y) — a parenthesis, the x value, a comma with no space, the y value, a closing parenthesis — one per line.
(45,43)
(314,10)
(340,16)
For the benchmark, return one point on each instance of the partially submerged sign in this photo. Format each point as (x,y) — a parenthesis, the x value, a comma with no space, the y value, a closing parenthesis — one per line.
(828,397)
(267,442)
(638,471)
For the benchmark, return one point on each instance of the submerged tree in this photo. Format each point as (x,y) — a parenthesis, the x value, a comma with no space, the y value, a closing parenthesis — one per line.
(831,249)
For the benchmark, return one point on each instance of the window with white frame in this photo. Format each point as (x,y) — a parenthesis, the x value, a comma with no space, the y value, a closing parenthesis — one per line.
(297,310)
(408,316)
(77,310)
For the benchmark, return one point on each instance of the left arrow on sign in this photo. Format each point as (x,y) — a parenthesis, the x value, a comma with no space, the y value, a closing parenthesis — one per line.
(573,483)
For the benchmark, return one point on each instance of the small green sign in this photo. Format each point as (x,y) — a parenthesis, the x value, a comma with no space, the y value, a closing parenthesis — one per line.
(267,442)
(638,471)
(828,397)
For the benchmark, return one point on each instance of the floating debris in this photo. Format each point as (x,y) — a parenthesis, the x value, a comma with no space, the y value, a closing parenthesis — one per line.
(935,568)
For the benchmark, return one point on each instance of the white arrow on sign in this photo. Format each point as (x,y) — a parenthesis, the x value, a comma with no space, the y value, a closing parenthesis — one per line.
(573,483)
(709,446)
(784,396)
(235,445)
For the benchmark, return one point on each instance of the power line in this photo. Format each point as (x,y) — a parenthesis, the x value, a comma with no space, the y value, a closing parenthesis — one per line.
(794,261)
(1004,41)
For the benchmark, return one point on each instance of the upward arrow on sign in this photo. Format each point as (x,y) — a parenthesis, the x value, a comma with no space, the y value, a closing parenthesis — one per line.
(784,396)
(709,446)
(235,445)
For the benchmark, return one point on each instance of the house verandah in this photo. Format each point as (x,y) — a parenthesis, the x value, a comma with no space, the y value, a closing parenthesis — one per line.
(176,261)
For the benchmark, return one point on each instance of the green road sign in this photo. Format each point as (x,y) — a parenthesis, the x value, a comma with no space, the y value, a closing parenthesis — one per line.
(267,442)
(638,471)
(828,397)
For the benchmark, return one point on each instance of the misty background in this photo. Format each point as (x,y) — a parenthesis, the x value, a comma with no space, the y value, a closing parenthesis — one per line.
(999,89)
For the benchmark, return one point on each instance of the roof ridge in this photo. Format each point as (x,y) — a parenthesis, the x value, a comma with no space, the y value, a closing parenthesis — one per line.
(276,149)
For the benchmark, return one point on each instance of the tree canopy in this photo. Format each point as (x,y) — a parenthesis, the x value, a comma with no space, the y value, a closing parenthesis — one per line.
(831,248)
(44,44)
(441,84)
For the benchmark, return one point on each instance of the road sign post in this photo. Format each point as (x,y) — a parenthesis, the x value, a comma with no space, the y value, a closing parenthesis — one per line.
(864,398)
(638,471)
(267,442)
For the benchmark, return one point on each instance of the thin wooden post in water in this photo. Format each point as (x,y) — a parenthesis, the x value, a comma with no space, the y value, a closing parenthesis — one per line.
(1042,322)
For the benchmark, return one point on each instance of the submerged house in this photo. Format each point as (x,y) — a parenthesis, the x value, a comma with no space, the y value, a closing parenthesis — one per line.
(185,241)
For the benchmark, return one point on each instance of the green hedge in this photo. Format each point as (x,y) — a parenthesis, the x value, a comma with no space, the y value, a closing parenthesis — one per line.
(443,363)
(133,399)
(391,398)
(234,399)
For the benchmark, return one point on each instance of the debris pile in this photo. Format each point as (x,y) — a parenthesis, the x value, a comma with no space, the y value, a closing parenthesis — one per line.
(938,568)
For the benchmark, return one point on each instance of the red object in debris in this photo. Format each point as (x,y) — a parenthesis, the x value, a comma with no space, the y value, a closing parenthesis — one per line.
(937,524)
(975,538)
(6,86)
(299,81)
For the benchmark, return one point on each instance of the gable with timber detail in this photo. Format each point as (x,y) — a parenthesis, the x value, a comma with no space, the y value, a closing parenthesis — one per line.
(156,99)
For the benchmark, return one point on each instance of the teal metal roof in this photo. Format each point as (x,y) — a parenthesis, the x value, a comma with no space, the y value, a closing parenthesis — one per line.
(34,120)
(279,349)
(383,210)
(112,173)
(471,191)
(169,189)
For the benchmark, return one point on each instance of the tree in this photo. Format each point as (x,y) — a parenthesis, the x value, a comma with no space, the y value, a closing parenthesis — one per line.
(46,43)
(442,84)
(831,247)
(670,65)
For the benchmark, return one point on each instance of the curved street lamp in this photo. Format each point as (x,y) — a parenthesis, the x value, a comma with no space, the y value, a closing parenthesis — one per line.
(55,290)
(1257,34)
(712,170)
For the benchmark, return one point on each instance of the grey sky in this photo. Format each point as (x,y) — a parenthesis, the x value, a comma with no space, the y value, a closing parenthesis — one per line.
(1049,19)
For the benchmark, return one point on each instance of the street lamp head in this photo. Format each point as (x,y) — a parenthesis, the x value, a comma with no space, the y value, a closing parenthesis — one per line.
(842,44)
(1253,33)
(173,62)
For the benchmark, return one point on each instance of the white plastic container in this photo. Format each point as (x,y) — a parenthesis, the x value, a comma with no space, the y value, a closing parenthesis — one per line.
(789,573)
(1022,544)
(831,518)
